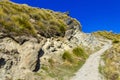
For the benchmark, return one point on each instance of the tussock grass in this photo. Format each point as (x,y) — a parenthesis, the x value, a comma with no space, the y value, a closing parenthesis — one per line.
(111,57)
(80,52)
(111,70)
(25,20)
(109,35)
(67,56)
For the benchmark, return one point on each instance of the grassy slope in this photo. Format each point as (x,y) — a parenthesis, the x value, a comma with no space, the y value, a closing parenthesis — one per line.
(111,70)
(19,20)
(108,35)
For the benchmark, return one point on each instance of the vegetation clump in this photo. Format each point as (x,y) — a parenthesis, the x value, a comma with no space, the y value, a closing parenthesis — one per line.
(19,20)
(80,52)
(67,56)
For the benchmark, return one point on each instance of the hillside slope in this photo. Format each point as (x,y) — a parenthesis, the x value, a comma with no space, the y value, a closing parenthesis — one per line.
(111,58)
(40,44)
(20,20)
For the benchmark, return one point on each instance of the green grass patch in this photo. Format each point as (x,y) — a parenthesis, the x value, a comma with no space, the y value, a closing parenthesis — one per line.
(67,56)
(116,41)
(80,52)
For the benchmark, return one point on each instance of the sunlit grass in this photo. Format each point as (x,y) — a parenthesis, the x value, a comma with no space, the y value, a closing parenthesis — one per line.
(17,18)
(111,57)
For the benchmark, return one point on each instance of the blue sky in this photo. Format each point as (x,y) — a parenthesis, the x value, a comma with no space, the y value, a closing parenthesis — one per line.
(94,15)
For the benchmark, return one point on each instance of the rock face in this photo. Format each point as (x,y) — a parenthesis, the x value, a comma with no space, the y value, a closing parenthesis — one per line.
(16,58)
(20,61)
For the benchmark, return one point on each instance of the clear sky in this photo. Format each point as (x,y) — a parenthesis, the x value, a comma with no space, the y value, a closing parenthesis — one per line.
(94,15)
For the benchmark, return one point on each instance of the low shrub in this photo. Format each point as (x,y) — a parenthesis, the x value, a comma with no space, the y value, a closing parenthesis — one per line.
(78,51)
(115,41)
(67,56)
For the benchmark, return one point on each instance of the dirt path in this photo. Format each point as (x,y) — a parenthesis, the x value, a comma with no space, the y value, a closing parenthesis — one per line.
(90,70)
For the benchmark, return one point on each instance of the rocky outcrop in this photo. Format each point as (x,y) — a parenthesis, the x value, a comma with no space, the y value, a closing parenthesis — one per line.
(19,61)
(20,57)
(16,58)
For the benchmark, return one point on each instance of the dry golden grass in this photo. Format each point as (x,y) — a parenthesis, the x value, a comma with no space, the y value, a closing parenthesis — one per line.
(108,35)
(111,57)
(111,70)
(25,20)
